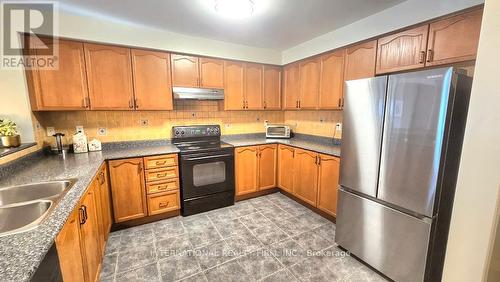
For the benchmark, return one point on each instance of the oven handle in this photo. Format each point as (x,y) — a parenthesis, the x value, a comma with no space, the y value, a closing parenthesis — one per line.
(208,157)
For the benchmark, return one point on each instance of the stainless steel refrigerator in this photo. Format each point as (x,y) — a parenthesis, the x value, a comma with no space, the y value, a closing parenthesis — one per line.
(401,149)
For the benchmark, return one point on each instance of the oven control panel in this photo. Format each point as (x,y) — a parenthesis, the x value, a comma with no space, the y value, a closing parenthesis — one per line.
(179,132)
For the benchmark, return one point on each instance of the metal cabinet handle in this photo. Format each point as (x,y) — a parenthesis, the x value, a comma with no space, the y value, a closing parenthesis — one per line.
(139,169)
(265,105)
(131,104)
(430,55)
(161,162)
(163,204)
(160,175)
(162,187)
(136,104)
(422,57)
(83,214)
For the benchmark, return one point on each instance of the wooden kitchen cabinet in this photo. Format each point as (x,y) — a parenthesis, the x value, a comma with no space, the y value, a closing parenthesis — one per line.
(152,80)
(246,169)
(70,249)
(163,202)
(310,72)
(360,60)
(267,166)
(185,71)
(454,39)
(291,86)
(211,73)
(89,231)
(286,155)
(127,188)
(109,76)
(402,51)
(105,201)
(64,88)
(234,86)
(305,176)
(331,85)
(253,86)
(272,88)
(328,183)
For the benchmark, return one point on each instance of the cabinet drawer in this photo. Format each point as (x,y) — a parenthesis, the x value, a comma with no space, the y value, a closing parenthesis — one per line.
(163,202)
(160,161)
(163,186)
(162,174)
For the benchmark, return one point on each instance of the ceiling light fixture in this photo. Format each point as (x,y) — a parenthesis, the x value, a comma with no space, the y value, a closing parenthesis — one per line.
(234,8)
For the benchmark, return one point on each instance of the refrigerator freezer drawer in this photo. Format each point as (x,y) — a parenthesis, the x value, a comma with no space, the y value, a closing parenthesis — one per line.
(390,241)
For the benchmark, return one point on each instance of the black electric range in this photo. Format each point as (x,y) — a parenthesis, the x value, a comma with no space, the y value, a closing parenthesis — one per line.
(206,168)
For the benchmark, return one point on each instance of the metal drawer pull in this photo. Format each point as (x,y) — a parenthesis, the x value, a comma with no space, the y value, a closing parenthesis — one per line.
(161,163)
(159,175)
(163,205)
(164,187)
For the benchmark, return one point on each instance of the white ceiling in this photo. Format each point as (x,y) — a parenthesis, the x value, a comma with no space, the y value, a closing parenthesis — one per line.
(275,24)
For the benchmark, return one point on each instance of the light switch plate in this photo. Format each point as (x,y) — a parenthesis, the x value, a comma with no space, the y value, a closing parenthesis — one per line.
(51,131)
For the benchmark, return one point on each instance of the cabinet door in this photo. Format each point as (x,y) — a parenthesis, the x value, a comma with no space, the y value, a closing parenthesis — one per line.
(267,166)
(89,231)
(69,250)
(285,167)
(234,86)
(305,182)
(309,84)
(106,214)
(332,80)
(360,60)
(246,168)
(127,189)
(211,73)
(272,88)
(454,39)
(152,85)
(291,87)
(98,213)
(109,76)
(402,51)
(185,71)
(64,88)
(328,183)
(253,86)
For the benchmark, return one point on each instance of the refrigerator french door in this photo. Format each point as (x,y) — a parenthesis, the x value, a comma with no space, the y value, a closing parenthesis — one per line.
(400,154)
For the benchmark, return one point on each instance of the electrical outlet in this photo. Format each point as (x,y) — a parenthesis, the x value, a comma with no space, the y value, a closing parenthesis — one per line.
(51,131)
(79,128)
(144,122)
(338,126)
(228,125)
(258,118)
(321,120)
(193,114)
(101,131)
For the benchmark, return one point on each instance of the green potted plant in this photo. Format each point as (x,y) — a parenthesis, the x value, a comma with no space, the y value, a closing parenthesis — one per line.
(9,136)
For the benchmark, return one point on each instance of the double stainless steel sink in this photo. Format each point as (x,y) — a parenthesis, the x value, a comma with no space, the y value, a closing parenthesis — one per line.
(24,207)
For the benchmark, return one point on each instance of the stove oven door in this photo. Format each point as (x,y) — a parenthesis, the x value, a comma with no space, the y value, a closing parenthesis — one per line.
(207,173)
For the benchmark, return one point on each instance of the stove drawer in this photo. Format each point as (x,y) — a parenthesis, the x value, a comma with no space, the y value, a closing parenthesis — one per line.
(163,186)
(163,202)
(160,161)
(162,174)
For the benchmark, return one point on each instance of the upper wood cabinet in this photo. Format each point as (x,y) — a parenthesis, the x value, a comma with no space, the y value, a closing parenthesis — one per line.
(211,73)
(360,60)
(305,176)
(454,39)
(253,86)
(402,51)
(332,80)
(127,186)
(64,88)
(328,183)
(272,88)
(109,75)
(185,72)
(310,72)
(234,86)
(246,168)
(70,250)
(291,86)
(267,166)
(286,155)
(152,82)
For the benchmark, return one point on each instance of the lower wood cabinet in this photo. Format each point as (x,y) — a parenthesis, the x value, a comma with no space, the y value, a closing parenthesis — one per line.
(70,249)
(328,182)
(305,180)
(89,232)
(255,168)
(128,189)
(286,156)
(163,202)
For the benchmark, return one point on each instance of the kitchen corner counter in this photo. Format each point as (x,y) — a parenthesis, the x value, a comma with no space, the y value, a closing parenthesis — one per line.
(22,253)
(317,144)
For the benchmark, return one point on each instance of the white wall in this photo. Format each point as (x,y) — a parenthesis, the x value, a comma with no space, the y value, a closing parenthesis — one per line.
(479,177)
(407,13)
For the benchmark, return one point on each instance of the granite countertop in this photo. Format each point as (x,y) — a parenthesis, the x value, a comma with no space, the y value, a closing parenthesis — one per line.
(21,254)
(313,143)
